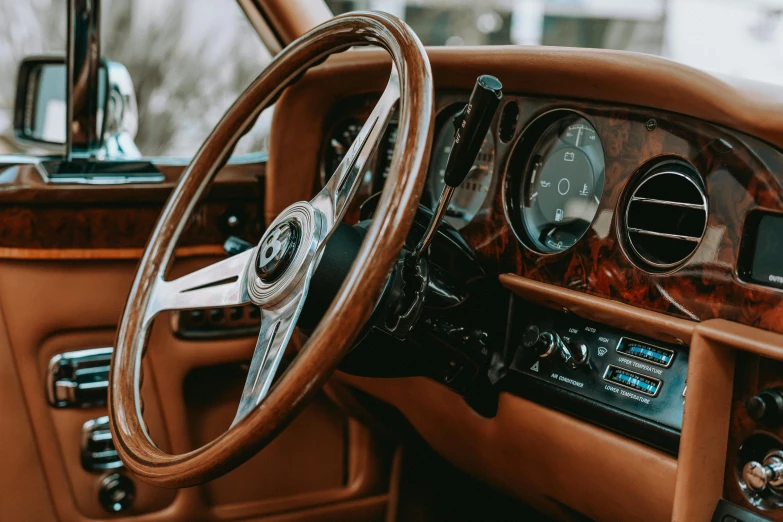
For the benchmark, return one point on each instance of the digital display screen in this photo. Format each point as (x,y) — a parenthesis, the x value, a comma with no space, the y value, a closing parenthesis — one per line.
(767,265)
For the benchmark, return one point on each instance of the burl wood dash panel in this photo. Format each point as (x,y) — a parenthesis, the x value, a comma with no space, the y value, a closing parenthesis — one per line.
(63,221)
(123,226)
(741,173)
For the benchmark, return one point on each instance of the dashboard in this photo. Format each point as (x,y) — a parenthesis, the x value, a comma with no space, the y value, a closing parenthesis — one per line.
(654,209)
(678,227)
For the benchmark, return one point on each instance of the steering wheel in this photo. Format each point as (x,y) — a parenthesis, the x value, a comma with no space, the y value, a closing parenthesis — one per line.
(276,274)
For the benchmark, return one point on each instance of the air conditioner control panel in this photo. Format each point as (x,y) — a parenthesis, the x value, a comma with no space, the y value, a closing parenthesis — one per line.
(611,369)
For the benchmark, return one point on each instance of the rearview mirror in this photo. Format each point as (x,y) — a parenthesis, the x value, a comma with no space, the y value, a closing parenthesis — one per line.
(41,112)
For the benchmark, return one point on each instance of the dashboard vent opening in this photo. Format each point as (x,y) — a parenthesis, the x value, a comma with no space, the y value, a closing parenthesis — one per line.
(666,217)
(508,121)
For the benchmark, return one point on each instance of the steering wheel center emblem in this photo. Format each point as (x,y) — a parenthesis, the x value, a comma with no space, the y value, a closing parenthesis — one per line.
(276,251)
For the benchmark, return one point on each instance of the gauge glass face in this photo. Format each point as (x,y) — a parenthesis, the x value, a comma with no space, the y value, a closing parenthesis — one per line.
(337,146)
(562,186)
(469,197)
(385,153)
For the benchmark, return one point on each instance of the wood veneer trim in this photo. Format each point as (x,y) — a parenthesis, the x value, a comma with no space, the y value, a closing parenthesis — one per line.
(741,173)
(83,254)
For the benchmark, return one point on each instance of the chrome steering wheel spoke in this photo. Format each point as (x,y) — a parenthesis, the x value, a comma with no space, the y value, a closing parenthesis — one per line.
(333,199)
(279,320)
(277,325)
(218,285)
(237,280)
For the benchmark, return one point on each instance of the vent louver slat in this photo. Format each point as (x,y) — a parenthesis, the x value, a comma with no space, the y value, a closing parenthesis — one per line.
(666,217)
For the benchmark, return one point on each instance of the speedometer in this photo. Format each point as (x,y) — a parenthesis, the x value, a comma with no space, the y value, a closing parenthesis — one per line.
(469,197)
(561,181)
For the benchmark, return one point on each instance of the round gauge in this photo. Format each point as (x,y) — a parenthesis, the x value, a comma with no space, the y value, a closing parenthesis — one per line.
(561,183)
(468,197)
(385,153)
(337,146)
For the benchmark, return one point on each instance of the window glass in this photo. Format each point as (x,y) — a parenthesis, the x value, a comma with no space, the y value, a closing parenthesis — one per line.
(188,62)
(30,27)
(736,37)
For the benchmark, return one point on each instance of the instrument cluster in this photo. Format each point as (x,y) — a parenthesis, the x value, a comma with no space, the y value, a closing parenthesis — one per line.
(554,175)
(468,199)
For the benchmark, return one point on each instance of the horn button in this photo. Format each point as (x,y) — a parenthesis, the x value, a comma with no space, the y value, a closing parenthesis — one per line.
(277,250)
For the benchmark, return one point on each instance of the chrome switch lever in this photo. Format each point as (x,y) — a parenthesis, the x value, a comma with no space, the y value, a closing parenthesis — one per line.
(575,354)
(79,379)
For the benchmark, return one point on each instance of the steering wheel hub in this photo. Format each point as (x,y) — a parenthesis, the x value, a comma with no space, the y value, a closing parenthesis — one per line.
(276,251)
(285,254)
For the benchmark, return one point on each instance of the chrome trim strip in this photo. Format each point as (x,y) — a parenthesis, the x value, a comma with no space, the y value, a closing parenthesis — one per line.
(663,234)
(667,202)
(80,179)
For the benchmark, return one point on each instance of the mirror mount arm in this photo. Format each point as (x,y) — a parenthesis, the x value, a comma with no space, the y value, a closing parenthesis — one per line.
(83,63)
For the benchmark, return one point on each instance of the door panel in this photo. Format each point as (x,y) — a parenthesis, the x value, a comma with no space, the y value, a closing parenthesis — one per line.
(66,423)
(211,402)
(190,391)
(25,495)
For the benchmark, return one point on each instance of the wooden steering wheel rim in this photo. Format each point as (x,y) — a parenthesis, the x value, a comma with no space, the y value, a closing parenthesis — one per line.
(351,306)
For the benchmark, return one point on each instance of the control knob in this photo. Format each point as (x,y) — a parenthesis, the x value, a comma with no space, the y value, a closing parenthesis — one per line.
(575,354)
(766,407)
(544,344)
(758,475)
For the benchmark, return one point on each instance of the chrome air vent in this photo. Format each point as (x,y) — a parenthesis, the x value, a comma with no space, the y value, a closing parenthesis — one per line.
(665,216)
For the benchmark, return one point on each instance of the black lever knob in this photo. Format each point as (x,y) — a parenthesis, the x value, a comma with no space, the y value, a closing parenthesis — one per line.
(766,407)
(538,343)
(471,125)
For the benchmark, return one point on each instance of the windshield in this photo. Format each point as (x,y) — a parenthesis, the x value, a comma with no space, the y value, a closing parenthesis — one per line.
(187,62)
(737,37)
